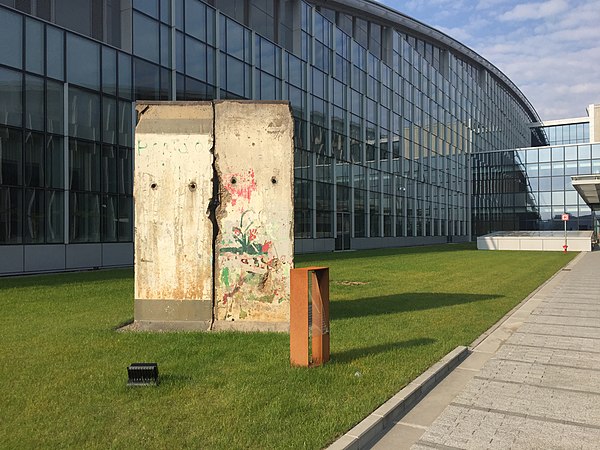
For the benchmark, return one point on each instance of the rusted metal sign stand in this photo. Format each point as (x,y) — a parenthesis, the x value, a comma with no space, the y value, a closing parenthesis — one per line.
(309,316)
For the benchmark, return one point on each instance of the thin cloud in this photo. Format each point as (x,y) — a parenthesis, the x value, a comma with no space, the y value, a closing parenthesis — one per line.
(537,10)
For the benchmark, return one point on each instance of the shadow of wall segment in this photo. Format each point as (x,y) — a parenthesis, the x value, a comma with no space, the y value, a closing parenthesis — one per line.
(407,302)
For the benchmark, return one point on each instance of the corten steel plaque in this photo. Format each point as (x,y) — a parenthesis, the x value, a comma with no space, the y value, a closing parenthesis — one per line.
(309,316)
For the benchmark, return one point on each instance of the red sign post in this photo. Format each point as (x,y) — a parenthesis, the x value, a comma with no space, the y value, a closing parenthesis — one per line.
(565,219)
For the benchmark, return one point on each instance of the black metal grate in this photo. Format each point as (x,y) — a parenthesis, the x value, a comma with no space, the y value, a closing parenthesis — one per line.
(142,374)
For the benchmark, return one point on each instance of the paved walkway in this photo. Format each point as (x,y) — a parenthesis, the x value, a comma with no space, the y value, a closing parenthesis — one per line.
(534,382)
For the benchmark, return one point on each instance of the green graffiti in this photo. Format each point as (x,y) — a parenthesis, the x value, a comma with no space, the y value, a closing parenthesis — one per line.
(225,276)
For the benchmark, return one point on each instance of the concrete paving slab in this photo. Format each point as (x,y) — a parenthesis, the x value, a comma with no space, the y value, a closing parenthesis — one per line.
(543,375)
(555,342)
(477,429)
(558,357)
(592,322)
(561,330)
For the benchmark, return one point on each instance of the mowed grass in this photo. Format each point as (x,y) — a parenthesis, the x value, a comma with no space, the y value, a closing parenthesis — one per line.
(393,314)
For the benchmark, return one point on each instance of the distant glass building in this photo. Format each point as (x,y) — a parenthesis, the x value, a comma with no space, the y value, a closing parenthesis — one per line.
(530,188)
(396,122)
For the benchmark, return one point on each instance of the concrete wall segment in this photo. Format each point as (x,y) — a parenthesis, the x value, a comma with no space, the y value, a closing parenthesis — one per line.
(255,243)
(172,192)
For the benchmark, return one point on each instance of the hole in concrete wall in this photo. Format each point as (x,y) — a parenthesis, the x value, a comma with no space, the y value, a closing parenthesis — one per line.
(192,186)
(273,180)
(233,180)
(153,186)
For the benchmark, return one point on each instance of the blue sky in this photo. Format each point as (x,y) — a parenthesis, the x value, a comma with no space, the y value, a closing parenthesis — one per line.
(549,48)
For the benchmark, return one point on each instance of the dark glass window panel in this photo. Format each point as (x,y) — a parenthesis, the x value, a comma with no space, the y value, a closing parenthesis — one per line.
(109,70)
(125,220)
(11,215)
(23,5)
(97,19)
(109,168)
(84,217)
(125,127)
(232,8)
(54,215)
(179,13)
(146,38)
(55,53)
(124,75)
(54,162)
(149,7)
(195,90)
(267,87)
(34,159)
(11,35)
(113,23)
(83,62)
(165,84)
(295,71)
(261,17)
(84,114)
(195,59)
(125,171)
(165,46)
(34,44)
(74,16)
(84,166)
(109,120)
(236,40)
(34,207)
(11,104)
(110,213)
(34,103)
(147,80)
(195,19)
(11,171)
(54,107)
(180,87)
(237,77)
(165,11)
(179,52)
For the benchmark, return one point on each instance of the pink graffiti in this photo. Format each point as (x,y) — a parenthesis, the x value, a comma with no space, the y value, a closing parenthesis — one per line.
(240,186)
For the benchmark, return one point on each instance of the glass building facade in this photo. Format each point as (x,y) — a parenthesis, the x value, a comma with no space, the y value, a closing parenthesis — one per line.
(389,114)
(530,188)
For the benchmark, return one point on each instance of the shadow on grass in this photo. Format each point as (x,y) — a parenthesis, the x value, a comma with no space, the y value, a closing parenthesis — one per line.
(357,353)
(410,301)
(64,279)
(310,258)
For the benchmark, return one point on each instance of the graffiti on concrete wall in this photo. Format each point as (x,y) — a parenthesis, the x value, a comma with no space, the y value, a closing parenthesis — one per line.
(252,271)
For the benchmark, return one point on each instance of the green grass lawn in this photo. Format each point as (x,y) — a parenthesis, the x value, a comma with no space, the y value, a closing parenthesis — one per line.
(393,314)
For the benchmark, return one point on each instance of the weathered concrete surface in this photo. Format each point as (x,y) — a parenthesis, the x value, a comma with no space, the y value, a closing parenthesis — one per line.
(254,248)
(173,233)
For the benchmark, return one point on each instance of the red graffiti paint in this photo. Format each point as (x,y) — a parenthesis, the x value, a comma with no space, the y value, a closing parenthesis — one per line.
(240,186)
(266,246)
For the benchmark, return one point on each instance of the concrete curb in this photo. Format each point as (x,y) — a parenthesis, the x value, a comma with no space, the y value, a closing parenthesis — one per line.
(400,404)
